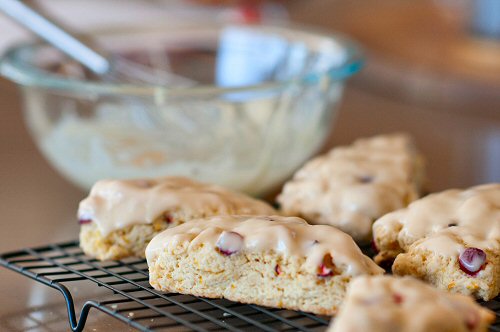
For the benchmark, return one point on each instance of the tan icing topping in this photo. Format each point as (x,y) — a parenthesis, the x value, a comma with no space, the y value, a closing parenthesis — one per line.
(386,303)
(289,236)
(351,186)
(475,212)
(453,241)
(444,242)
(115,204)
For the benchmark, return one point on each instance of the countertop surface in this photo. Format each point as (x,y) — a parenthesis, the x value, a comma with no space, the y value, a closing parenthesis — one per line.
(38,206)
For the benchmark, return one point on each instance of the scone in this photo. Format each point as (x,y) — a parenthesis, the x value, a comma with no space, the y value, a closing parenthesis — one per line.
(351,186)
(275,261)
(457,260)
(120,217)
(450,239)
(477,207)
(386,303)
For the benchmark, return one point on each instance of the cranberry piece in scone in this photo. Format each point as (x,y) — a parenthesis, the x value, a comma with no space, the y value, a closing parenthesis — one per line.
(472,260)
(229,243)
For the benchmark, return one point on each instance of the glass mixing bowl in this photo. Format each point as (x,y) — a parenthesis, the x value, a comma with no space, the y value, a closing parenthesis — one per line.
(245,107)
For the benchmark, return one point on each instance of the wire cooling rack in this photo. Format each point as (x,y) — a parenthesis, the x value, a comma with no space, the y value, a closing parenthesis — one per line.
(132,300)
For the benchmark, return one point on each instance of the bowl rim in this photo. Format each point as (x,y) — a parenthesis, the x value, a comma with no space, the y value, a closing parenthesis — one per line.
(26,74)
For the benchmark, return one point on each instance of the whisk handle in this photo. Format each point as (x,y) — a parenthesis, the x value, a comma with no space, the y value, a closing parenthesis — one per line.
(55,35)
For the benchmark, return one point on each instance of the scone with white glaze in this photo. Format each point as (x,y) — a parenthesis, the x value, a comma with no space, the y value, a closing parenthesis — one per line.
(351,186)
(280,262)
(120,217)
(386,303)
(450,239)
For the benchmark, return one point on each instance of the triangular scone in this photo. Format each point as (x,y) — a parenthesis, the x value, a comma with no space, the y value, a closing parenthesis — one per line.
(351,186)
(120,217)
(386,303)
(457,260)
(478,207)
(450,239)
(273,261)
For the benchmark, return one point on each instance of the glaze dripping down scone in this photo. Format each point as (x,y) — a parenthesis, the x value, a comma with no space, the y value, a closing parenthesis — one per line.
(386,303)
(351,186)
(120,217)
(272,261)
(449,239)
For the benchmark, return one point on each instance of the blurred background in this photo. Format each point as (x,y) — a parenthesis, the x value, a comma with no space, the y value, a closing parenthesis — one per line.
(432,68)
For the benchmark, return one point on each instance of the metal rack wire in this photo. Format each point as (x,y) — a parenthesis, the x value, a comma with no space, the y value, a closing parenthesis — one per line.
(132,300)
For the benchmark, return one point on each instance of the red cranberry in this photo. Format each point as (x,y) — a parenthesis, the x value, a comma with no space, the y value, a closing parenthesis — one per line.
(84,221)
(472,260)
(324,271)
(398,299)
(472,321)
(229,243)
(326,268)
(168,218)
(277,269)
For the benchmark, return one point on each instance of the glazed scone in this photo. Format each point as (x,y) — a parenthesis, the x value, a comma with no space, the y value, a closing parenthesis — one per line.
(120,217)
(351,186)
(275,261)
(386,303)
(456,259)
(477,207)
